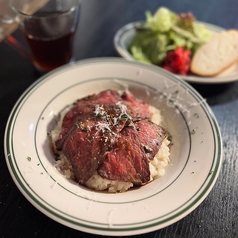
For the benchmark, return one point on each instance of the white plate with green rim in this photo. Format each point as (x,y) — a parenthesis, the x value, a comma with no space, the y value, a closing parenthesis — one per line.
(124,36)
(196,153)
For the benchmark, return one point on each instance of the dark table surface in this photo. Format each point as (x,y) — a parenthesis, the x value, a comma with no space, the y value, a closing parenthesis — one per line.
(217,216)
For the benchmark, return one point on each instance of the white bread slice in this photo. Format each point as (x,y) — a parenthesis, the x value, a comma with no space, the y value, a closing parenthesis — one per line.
(219,53)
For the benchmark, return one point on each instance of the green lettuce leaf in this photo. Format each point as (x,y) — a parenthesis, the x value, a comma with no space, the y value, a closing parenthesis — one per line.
(165,31)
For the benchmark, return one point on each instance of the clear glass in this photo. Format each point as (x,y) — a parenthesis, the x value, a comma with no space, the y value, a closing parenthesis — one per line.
(49,27)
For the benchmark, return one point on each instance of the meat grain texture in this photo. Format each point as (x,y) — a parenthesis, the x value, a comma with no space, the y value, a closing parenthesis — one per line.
(109,141)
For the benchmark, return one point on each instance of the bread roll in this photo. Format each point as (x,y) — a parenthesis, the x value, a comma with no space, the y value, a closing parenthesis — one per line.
(219,53)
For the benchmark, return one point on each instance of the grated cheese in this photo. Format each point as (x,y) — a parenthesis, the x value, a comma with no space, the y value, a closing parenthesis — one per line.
(105,125)
(99,110)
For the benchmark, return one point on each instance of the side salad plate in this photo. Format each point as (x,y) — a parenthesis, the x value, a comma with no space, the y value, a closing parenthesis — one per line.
(124,36)
(196,151)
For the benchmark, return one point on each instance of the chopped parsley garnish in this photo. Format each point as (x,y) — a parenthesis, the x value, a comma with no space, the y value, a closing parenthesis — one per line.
(84,128)
(193,131)
(77,125)
(28,158)
(124,117)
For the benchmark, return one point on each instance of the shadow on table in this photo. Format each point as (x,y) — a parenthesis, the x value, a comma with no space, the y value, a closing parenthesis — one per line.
(217,93)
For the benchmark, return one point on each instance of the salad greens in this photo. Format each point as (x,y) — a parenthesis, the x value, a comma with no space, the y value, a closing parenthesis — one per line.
(165,31)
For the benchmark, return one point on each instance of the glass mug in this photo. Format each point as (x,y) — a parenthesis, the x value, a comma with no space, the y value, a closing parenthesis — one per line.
(49,27)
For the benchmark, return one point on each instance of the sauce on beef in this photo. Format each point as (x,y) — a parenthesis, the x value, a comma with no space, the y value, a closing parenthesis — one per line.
(110,135)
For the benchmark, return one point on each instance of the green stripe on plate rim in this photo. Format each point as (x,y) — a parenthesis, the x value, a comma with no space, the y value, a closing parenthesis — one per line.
(109,79)
(52,212)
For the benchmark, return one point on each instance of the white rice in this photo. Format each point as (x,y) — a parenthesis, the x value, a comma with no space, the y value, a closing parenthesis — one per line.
(157,165)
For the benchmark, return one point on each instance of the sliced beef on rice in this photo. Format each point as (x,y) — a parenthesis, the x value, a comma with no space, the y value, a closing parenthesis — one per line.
(78,113)
(150,136)
(110,135)
(82,108)
(85,150)
(128,160)
(89,138)
(140,109)
(105,97)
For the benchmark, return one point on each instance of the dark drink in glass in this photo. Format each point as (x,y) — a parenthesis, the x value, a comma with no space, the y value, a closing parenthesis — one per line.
(49,54)
(49,32)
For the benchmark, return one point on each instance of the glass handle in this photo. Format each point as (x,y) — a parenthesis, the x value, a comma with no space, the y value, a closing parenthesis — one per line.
(21,50)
